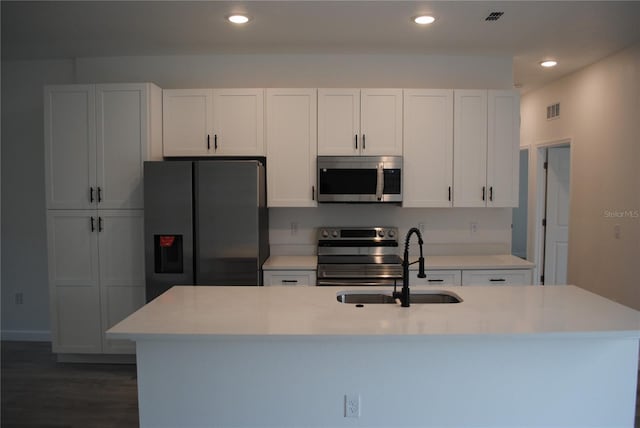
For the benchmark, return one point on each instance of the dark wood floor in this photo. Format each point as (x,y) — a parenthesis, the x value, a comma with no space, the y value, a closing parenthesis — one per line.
(39,392)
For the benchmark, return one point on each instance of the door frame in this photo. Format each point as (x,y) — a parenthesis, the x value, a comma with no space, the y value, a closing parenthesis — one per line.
(541,198)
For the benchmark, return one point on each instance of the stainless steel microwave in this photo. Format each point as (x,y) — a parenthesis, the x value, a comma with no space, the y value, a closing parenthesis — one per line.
(360,179)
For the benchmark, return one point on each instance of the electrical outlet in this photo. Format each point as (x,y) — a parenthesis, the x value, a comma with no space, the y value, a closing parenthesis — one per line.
(294,228)
(473,226)
(19,298)
(616,231)
(421,227)
(352,405)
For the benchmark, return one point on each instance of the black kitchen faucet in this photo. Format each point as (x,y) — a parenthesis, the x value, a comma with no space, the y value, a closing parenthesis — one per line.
(404,295)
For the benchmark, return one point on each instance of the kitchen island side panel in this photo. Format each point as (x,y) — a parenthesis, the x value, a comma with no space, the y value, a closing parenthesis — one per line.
(444,381)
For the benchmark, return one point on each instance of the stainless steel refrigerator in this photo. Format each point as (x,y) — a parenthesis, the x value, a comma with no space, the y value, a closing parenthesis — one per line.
(205,223)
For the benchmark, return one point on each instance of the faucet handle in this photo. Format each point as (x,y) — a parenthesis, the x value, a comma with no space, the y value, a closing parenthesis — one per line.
(421,273)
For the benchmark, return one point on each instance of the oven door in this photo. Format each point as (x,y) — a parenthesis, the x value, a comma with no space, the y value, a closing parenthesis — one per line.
(359,179)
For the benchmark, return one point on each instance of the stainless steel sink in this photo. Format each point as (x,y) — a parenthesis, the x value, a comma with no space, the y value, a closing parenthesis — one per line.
(375,297)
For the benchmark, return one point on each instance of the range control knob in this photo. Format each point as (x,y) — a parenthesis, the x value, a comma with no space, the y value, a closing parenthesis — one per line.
(334,233)
(381,233)
(325,234)
(391,233)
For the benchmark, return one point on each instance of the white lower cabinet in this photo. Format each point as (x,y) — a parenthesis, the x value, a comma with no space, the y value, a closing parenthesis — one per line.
(289,277)
(437,277)
(96,277)
(497,277)
(473,277)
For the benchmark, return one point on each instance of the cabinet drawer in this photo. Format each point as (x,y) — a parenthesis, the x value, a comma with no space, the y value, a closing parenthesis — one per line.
(437,277)
(291,277)
(497,277)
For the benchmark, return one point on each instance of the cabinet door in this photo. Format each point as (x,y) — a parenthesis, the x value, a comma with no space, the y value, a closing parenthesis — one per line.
(70,146)
(121,143)
(74,291)
(497,277)
(291,147)
(291,277)
(428,148)
(437,277)
(470,148)
(238,122)
(122,284)
(381,121)
(339,122)
(187,116)
(503,154)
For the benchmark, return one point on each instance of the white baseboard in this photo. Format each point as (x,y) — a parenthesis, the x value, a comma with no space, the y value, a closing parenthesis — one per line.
(27,335)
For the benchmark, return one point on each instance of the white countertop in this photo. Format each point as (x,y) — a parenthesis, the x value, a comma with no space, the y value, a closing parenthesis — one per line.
(526,311)
(291,263)
(491,261)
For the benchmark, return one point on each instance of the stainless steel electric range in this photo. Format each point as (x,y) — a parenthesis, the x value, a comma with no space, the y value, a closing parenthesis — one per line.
(358,256)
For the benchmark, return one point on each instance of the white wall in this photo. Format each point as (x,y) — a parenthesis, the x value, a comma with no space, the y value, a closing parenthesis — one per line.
(24,268)
(446,230)
(600,114)
(23,199)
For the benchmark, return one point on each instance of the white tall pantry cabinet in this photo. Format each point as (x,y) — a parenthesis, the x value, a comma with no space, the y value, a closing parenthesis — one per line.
(96,140)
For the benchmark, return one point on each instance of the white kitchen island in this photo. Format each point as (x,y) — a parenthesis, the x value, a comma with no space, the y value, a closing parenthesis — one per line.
(287,357)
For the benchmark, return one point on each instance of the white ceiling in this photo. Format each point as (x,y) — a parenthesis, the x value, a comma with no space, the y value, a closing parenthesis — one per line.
(576,33)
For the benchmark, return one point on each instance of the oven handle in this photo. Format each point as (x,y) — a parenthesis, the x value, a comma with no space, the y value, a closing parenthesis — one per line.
(380,181)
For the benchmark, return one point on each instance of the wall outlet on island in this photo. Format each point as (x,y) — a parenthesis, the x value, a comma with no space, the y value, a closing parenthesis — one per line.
(19,298)
(421,227)
(473,226)
(294,228)
(352,405)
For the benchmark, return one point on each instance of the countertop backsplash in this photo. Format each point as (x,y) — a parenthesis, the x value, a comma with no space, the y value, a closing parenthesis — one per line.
(446,231)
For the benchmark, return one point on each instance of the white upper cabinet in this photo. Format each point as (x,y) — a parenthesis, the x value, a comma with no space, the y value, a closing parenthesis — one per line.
(359,122)
(470,148)
(187,122)
(339,122)
(238,121)
(70,149)
(486,148)
(291,126)
(381,121)
(428,148)
(96,139)
(503,150)
(211,122)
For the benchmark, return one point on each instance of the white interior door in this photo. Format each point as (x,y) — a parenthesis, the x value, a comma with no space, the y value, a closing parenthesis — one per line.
(557,229)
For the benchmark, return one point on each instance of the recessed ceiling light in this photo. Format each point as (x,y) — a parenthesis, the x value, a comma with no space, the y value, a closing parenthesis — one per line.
(424,19)
(549,63)
(238,19)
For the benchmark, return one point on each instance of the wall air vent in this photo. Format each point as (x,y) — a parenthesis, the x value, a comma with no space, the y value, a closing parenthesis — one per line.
(494,16)
(553,111)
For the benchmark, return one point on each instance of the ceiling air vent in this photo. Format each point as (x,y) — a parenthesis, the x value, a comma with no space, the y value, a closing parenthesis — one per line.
(494,16)
(553,111)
